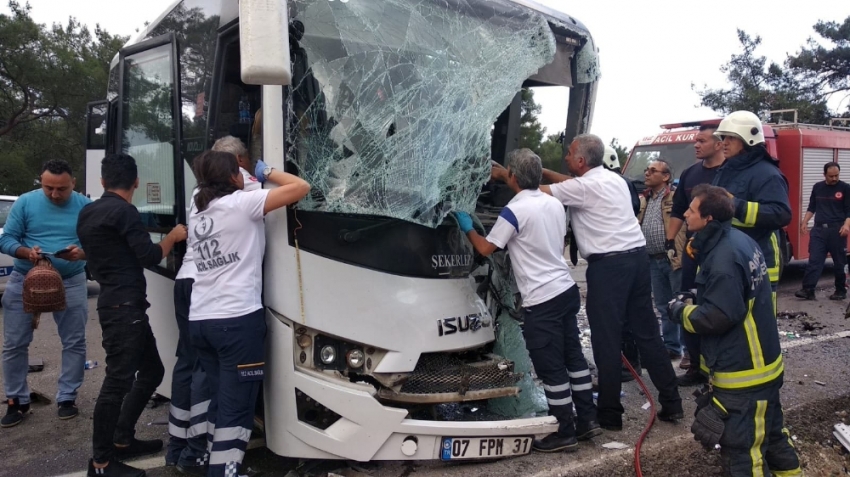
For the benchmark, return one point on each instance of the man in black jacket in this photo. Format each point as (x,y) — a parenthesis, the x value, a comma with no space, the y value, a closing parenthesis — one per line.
(120,247)
(735,318)
(830,206)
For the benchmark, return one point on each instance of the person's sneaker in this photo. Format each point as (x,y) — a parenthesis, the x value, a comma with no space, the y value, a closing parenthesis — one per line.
(838,295)
(671,413)
(67,410)
(805,293)
(114,469)
(686,361)
(691,378)
(138,448)
(15,413)
(588,431)
(555,443)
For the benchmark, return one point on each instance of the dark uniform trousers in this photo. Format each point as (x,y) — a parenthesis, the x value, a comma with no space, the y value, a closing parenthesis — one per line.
(231,351)
(755,442)
(552,338)
(689,274)
(619,292)
(190,397)
(823,240)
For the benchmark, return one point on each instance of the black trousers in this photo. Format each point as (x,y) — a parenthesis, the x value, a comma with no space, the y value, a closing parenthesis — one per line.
(822,241)
(689,275)
(133,371)
(619,292)
(755,441)
(552,338)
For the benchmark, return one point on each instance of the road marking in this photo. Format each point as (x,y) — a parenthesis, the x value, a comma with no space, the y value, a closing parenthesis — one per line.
(813,340)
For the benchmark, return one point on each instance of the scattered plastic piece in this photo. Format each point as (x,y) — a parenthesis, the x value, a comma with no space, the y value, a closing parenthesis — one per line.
(793,438)
(820,383)
(90,364)
(842,433)
(615,445)
(645,406)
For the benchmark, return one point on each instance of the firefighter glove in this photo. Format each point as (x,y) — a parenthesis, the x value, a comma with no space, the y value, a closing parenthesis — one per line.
(464,221)
(708,425)
(670,247)
(676,306)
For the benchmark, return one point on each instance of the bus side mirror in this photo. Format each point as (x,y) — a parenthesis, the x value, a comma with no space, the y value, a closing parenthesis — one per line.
(264,42)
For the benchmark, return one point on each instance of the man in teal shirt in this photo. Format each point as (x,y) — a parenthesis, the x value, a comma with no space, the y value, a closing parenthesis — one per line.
(45,221)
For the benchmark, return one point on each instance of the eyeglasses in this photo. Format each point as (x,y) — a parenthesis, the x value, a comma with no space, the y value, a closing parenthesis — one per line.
(653,170)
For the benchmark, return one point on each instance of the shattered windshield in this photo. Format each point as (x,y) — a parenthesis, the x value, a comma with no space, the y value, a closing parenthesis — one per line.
(393,102)
(679,156)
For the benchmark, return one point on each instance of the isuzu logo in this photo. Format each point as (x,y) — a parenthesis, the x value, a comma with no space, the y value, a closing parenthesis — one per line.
(461,324)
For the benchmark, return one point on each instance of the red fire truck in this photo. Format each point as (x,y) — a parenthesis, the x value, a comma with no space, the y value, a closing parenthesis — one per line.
(802,150)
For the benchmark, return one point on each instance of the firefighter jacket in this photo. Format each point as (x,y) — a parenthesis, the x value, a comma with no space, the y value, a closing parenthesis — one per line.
(666,209)
(761,200)
(733,313)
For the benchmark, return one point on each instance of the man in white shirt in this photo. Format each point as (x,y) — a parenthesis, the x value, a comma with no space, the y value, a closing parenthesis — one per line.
(618,287)
(235,146)
(532,226)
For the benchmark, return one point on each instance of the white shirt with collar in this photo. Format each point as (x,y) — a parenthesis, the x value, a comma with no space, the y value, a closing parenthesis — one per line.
(600,211)
(532,226)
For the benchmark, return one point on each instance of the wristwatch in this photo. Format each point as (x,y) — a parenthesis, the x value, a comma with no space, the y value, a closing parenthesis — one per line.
(267,171)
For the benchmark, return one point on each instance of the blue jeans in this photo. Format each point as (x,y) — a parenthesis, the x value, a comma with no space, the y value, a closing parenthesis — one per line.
(17,336)
(665,282)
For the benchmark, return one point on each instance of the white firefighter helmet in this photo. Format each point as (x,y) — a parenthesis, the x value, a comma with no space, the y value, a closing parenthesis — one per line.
(744,125)
(610,160)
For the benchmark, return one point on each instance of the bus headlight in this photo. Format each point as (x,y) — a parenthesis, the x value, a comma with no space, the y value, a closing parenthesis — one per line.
(328,354)
(355,358)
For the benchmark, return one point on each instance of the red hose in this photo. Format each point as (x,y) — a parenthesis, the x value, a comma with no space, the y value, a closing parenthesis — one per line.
(651,421)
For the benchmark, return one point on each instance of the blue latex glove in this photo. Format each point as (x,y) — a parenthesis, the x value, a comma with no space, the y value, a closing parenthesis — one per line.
(464,221)
(258,171)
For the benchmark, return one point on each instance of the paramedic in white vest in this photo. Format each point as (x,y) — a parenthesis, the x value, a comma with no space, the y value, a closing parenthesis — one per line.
(227,326)
(532,227)
(618,288)
(235,146)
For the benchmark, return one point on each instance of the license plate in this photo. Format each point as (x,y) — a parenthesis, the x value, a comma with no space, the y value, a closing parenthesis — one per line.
(458,448)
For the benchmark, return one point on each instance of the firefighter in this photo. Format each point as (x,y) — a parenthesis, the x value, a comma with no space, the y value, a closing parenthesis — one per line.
(533,225)
(757,187)
(736,321)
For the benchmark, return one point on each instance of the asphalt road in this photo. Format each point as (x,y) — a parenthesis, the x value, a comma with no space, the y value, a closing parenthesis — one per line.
(817,353)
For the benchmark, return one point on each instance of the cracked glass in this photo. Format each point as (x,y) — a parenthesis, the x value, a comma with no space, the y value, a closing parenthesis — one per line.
(393,102)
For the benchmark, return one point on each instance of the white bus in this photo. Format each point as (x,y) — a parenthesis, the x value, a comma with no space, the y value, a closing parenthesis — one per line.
(380,318)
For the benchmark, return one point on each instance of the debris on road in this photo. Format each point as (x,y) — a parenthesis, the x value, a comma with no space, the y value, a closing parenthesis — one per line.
(842,433)
(791,315)
(615,445)
(820,383)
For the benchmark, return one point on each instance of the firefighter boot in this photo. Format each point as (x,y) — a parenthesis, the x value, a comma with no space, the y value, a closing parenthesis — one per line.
(805,293)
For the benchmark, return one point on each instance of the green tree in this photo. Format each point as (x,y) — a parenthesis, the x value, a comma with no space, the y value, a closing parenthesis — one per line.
(760,87)
(622,151)
(47,75)
(530,129)
(826,69)
(552,152)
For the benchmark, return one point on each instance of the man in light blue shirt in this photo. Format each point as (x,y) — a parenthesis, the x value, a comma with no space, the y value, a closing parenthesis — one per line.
(45,221)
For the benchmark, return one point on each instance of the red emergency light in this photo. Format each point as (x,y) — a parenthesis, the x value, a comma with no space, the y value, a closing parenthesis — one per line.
(690,124)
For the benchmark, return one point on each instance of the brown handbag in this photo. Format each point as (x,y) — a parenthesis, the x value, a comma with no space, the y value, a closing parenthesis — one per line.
(44,291)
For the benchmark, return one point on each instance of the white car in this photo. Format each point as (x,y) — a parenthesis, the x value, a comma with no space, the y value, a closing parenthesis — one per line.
(6,261)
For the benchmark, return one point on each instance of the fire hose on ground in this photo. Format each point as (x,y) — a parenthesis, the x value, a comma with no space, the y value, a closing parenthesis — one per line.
(652,414)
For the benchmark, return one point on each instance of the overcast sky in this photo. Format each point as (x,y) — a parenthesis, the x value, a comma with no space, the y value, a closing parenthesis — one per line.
(651,50)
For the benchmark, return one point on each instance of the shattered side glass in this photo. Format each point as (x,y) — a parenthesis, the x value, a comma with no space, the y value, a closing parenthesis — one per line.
(393,101)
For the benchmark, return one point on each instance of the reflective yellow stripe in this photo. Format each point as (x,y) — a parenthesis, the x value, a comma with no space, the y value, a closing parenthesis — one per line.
(773,295)
(798,472)
(737,223)
(748,378)
(755,451)
(773,272)
(702,366)
(752,213)
(686,318)
(753,341)
(717,403)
